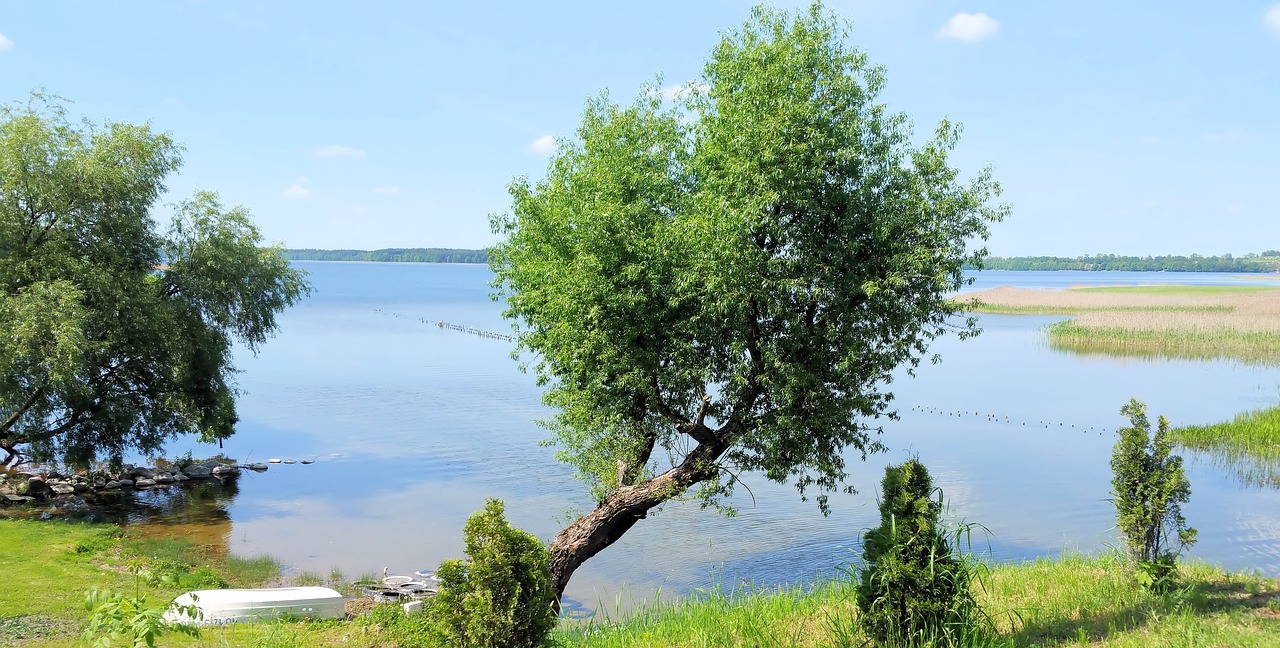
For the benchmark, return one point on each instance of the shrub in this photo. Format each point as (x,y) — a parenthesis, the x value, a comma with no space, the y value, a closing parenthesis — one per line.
(501,595)
(116,618)
(1149,487)
(913,588)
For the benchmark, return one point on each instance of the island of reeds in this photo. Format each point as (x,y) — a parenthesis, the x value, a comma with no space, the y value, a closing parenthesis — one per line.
(1240,323)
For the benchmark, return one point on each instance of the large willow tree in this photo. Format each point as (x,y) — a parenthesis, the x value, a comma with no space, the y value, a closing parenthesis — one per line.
(727,284)
(115,336)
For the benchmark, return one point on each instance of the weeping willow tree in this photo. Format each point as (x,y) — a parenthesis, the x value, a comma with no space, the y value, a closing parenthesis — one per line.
(118,335)
(726,282)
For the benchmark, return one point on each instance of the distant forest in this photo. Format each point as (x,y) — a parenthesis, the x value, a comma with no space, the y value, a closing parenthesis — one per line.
(404,255)
(1268,261)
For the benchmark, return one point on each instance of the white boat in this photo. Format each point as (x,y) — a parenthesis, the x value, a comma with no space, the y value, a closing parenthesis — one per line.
(224,606)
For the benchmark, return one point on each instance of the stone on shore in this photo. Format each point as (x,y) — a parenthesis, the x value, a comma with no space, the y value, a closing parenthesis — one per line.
(197,471)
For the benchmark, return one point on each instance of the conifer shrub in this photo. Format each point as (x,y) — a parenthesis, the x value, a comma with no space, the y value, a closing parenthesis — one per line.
(1148,487)
(501,595)
(913,586)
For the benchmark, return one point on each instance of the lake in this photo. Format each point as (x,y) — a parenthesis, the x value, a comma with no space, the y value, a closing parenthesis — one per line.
(412,426)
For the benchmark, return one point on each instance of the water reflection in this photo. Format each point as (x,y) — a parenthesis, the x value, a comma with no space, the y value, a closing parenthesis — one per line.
(196,511)
(1257,469)
(1263,355)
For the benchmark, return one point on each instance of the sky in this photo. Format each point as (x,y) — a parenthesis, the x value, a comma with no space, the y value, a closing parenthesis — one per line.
(1140,128)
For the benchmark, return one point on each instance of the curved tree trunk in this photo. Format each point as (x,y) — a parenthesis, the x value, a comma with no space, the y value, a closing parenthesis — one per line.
(621,509)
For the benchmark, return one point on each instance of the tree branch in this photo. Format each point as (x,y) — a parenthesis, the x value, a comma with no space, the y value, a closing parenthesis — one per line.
(26,405)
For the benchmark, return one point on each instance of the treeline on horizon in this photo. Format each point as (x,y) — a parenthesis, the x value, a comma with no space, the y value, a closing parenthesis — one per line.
(1268,261)
(402,255)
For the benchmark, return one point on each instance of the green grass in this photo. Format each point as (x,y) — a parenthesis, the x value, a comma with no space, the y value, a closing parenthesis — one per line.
(1256,432)
(1249,444)
(1072,600)
(48,566)
(1249,347)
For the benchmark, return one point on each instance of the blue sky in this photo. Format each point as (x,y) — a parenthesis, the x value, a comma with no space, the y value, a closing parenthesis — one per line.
(1129,128)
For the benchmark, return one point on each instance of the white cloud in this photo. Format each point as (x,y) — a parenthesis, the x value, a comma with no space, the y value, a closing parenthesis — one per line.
(1271,18)
(543,145)
(386,191)
(970,28)
(171,101)
(334,150)
(5,43)
(298,190)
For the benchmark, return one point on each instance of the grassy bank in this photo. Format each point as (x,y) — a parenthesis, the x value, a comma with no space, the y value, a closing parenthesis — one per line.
(1072,600)
(1199,322)
(48,567)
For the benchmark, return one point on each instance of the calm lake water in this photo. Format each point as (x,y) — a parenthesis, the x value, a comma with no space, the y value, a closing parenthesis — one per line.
(411,427)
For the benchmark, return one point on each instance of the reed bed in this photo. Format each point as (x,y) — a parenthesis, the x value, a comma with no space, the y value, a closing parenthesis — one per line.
(1256,432)
(1199,322)
(1249,444)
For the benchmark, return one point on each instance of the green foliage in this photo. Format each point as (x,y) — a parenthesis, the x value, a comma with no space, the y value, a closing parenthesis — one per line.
(501,595)
(1149,487)
(734,276)
(120,336)
(913,587)
(116,617)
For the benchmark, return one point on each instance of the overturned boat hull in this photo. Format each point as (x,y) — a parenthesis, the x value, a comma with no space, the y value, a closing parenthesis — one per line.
(221,607)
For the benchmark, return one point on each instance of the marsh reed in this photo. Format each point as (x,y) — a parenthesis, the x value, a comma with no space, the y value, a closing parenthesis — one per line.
(1200,322)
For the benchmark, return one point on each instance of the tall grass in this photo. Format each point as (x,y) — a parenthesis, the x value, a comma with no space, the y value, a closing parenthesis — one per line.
(1248,444)
(1151,340)
(1256,432)
(785,616)
(1197,322)
(1075,599)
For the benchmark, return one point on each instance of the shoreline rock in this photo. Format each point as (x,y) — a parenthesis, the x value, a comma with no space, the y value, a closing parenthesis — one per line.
(30,487)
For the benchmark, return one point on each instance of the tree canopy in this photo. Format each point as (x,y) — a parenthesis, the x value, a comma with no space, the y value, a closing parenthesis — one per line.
(726,282)
(117,336)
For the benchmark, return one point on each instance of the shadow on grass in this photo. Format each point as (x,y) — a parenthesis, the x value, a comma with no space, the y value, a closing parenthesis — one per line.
(33,626)
(1199,598)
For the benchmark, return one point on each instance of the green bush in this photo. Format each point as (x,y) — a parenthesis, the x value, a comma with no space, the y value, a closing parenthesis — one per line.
(501,595)
(1149,487)
(913,588)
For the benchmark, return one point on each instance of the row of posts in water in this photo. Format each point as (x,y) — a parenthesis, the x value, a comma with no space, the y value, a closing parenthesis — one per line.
(991,417)
(506,337)
(492,335)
